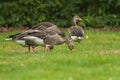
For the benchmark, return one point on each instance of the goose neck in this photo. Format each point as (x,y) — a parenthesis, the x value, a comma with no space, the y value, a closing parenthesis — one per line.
(74,22)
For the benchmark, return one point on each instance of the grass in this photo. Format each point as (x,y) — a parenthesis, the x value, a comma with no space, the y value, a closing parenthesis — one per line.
(95,58)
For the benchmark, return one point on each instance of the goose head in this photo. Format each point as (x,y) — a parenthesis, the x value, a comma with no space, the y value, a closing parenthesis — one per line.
(76,19)
(69,43)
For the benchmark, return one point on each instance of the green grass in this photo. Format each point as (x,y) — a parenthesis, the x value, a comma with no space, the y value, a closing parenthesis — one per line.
(95,58)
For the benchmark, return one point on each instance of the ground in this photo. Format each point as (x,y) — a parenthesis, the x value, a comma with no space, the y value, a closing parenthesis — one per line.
(95,58)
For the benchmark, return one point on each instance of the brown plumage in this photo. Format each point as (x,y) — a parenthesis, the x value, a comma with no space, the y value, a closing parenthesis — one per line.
(51,39)
(46,38)
(45,24)
(48,26)
(76,33)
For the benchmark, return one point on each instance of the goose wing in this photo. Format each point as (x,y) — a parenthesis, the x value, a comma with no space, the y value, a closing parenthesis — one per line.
(48,26)
(19,36)
(42,24)
(76,31)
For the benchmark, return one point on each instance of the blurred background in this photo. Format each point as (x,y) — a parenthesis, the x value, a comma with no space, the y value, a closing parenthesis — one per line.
(95,13)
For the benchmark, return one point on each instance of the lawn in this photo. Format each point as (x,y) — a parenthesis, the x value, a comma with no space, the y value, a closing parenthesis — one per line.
(95,58)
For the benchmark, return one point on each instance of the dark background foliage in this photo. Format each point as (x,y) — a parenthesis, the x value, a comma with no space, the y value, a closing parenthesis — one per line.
(95,13)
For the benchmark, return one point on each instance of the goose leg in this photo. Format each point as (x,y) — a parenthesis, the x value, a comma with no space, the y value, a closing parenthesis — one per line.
(33,49)
(51,48)
(46,48)
(72,50)
(29,48)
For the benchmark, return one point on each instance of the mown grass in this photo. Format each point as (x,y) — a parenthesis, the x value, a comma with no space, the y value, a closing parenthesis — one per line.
(95,58)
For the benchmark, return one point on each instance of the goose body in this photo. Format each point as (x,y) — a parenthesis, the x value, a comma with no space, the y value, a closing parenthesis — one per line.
(21,42)
(36,40)
(33,38)
(45,24)
(48,26)
(76,33)
(48,39)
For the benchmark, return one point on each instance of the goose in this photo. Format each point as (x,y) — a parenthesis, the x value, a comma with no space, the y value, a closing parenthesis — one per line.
(48,26)
(49,39)
(33,38)
(76,33)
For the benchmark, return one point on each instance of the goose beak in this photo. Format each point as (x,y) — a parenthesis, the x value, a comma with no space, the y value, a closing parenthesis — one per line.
(72,50)
(80,19)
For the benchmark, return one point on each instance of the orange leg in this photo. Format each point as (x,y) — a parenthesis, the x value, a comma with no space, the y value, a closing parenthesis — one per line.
(46,48)
(33,49)
(29,48)
(72,50)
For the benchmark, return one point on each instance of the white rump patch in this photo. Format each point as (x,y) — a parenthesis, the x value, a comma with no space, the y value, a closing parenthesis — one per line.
(36,40)
(74,37)
(21,42)
(80,37)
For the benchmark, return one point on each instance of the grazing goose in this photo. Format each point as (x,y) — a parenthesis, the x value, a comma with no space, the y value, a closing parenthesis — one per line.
(76,33)
(48,26)
(49,39)
(33,38)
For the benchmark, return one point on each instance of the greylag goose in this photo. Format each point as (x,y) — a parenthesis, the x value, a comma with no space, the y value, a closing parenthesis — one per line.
(76,33)
(48,26)
(49,39)
(33,38)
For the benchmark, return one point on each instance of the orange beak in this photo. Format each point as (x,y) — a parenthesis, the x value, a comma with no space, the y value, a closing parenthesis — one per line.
(72,50)
(80,19)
